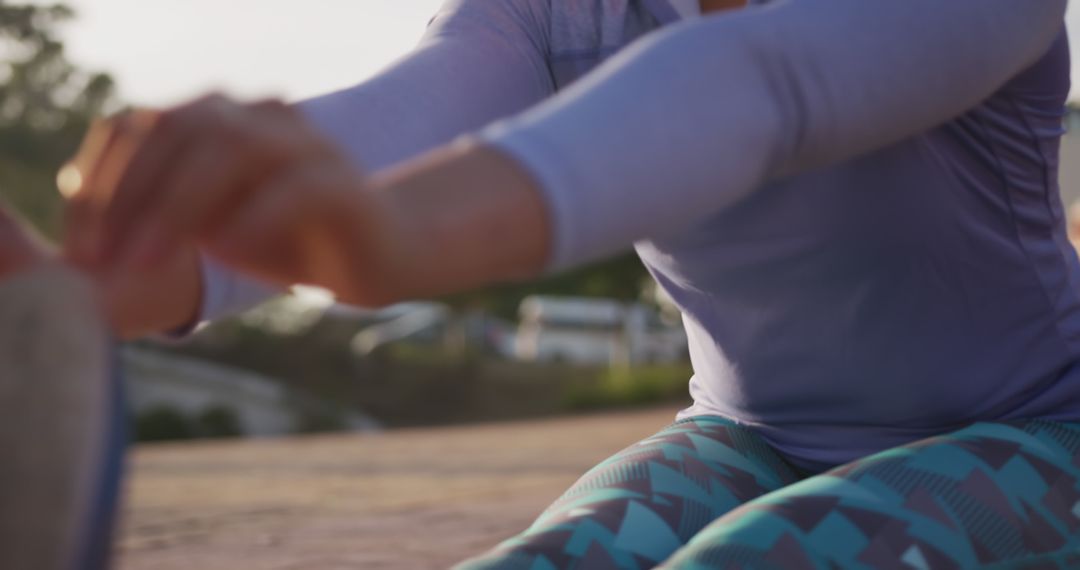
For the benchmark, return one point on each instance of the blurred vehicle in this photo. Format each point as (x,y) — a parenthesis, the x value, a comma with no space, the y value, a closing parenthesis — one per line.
(581,330)
(423,322)
(432,323)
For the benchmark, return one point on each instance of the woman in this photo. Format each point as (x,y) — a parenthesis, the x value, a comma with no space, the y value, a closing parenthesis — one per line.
(853,202)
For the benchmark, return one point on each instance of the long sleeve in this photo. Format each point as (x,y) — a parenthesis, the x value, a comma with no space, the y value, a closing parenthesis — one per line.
(690,120)
(480,60)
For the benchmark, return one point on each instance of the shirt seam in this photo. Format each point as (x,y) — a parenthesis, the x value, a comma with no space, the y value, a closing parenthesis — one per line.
(1010,200)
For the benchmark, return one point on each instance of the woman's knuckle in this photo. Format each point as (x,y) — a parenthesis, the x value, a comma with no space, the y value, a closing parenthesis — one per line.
(273,106)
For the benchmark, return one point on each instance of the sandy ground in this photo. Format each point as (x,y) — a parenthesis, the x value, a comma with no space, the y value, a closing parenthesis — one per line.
(410,499)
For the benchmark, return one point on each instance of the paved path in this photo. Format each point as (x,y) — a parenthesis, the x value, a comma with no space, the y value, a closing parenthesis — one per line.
(409,499)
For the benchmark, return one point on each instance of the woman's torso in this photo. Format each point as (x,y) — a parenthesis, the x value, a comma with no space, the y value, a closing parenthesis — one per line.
(894,296)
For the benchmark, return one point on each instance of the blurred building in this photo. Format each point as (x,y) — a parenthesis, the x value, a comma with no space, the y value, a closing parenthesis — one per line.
(579,330)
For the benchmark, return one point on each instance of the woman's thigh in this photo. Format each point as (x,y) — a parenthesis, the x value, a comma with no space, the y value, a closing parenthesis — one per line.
(991,495)
(636,508)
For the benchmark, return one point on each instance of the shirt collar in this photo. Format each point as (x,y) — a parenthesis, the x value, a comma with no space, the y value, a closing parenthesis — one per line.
(662,10)
(686,8)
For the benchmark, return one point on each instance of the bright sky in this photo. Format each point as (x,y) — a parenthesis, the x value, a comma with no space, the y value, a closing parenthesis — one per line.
(163,51)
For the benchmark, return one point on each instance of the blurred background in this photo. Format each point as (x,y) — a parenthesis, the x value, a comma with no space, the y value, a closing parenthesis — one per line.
(597,338)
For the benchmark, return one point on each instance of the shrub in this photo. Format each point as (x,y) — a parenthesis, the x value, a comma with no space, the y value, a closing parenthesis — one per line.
(631,387)
(217,422)
(163,423)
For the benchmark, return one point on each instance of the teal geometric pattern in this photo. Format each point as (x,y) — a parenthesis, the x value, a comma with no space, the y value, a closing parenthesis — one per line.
(638,507)
(988,496)
(706,494)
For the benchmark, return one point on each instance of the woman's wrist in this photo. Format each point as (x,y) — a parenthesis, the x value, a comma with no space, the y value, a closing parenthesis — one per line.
(165,301)
(460,217)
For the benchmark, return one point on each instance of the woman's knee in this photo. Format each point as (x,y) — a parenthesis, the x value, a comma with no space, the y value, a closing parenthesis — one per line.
(987,494)
(636,508)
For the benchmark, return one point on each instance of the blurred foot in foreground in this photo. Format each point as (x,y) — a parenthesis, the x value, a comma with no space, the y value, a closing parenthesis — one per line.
(60,443)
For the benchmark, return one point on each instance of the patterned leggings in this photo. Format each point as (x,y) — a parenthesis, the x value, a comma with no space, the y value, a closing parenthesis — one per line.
(705,493)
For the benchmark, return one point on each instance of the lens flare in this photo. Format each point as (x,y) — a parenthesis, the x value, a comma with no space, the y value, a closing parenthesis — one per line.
(69,181)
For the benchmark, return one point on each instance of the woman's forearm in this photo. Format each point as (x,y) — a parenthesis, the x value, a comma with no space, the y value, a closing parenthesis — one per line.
(151,302)
(463,216)
(478,61)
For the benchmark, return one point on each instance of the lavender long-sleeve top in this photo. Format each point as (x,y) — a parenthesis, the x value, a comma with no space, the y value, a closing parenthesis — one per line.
(854,202)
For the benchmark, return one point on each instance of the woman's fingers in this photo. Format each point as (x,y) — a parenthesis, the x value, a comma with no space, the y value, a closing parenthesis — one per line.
(218,179)
(151,183)
(162,152)
(78,182)
(145,232)
(117,168)
(237,147)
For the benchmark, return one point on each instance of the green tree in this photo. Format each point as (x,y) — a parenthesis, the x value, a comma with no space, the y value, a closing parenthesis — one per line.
(46,105)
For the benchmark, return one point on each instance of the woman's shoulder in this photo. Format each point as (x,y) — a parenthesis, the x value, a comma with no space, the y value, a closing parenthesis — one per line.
(579,25)
(586,32)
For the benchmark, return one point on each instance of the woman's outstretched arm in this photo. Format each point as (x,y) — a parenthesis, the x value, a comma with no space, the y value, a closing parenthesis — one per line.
(477,62)
(692,119)
(678,126)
